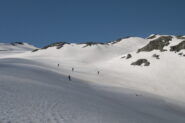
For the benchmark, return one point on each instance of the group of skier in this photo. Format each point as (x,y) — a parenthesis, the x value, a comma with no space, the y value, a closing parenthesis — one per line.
(69,77)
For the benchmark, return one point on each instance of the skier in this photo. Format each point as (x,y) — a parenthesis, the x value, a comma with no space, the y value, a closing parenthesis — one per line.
(58,65)
(69,77)
(98,72)
(72,69)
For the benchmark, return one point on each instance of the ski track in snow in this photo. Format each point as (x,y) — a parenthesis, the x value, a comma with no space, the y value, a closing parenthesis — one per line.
(31,93)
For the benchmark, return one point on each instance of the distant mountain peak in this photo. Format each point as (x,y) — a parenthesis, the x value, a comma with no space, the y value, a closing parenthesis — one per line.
(58,45)
(16,46)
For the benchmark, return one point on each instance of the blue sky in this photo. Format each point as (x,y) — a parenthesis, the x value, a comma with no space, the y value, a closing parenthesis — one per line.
(41,22)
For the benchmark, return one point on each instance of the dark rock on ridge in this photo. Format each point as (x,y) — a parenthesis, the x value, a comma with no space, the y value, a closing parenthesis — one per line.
(139,62)
(157,44)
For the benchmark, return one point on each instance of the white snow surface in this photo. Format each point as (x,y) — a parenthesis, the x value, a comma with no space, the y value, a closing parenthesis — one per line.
(33,89)
(15,48)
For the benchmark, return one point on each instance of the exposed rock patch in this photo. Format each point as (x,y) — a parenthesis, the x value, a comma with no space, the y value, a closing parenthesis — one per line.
(140,62)
(92,43)
(35,50)
(58,45)
(178,47)
(180,54)
(17,43)
(180,37)
(157,44)
(155,56)
(128,56)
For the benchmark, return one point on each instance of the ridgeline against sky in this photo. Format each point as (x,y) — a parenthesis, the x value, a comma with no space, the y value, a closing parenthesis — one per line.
(41,22)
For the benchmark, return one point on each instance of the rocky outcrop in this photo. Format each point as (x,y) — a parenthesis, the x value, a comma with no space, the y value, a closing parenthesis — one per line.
(157,44)
(35,50)
(180,54)
(58,45)
(140,62)
(17,43)
(155,56)
(128,56)
(180,37)
(92,43)
(178,47)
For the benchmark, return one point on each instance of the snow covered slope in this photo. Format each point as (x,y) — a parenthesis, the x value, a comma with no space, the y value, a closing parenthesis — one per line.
(32,92)
(140,81)
(14,48)
(165,70)
(91,52)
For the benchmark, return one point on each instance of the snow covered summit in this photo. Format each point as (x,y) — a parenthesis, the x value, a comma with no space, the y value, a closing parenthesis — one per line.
(93,52)
(152,64)
(16,46)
